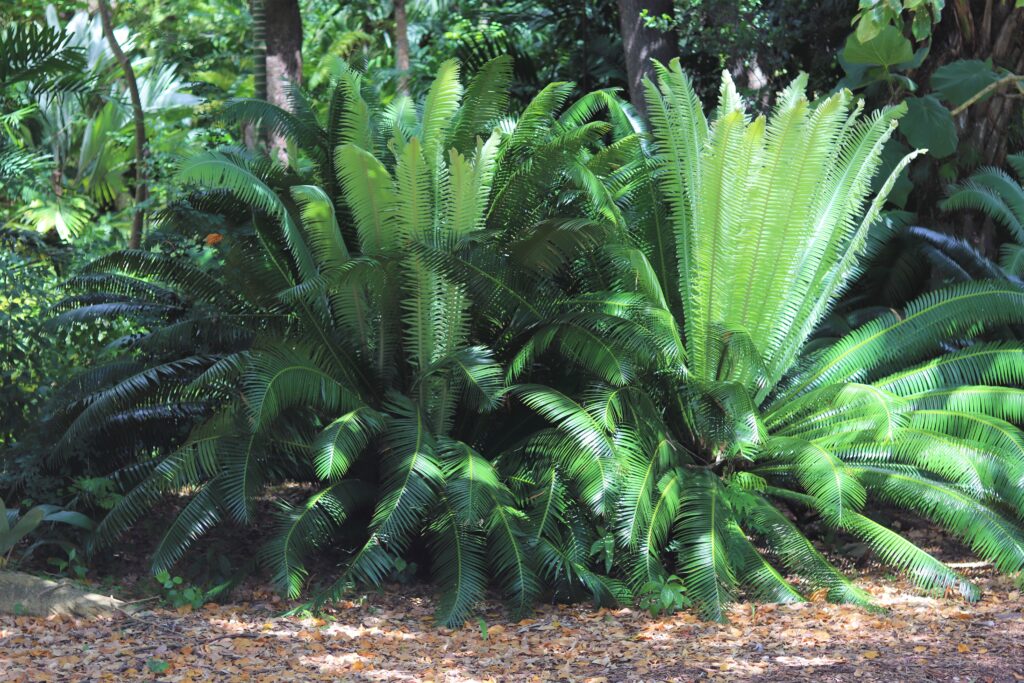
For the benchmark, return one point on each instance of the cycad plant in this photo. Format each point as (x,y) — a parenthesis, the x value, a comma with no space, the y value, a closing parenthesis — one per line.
(919,253)
(714,417)
(354,337)
(996,194)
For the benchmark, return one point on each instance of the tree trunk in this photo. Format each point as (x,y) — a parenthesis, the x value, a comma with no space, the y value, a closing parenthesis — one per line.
(983,29)
(642,44)
(283,37)
(141,189)
(258,50)
(977,29)
(402,47)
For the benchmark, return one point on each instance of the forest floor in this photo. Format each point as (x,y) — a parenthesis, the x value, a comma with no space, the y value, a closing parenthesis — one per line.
(390,636)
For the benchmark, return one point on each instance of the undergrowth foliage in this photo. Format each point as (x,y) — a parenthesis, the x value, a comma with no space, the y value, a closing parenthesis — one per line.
(552,352)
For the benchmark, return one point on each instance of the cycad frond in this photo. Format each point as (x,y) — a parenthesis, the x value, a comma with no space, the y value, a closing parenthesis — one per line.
(300,530)
(996,194)
(703,554)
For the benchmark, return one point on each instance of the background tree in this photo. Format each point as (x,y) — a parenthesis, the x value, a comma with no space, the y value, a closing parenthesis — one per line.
(139,120)
(982,30)
(282,24)
(642,43)
(402,46)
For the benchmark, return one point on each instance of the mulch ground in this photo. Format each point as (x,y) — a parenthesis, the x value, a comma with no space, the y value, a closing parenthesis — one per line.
(391,637)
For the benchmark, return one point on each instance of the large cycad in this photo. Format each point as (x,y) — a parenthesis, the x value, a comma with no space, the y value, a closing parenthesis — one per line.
(388,274)
(714,414)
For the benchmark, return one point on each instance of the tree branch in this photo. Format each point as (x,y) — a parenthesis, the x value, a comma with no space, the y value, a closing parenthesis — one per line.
(141,189)
(1010,78)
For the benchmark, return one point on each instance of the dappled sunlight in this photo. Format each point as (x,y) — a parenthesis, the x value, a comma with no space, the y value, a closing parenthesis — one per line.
(393,637)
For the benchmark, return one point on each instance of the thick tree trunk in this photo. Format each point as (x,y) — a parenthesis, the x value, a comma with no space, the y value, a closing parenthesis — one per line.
(983,29)
(283,37)
(642,44)
(24,594)
(402,47)
(978,29)
(141,189)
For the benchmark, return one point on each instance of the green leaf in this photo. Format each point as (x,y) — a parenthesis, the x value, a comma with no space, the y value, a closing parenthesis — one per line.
(929,125)
(157,666)
(921,26)
(959,81)
(867,27)
(24,526)
(887,48)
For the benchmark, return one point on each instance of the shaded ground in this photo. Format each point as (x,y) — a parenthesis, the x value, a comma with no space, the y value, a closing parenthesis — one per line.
(392,637)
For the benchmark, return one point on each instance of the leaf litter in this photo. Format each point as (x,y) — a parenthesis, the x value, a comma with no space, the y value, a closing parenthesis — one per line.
(391,636)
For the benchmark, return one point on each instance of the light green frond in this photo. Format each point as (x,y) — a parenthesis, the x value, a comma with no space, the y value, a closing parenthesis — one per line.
(344,440)
(197,517)
(219,171)
(484,102)
(1000,363)
(655,532)
(823,475)
(703,553)
(988,532)
(279,378)
(439,109)
(301,530)
(460,566)
(755,573)
(507,552)
(925,570)
(370,197)
(413,194)
(316,211)
(926,322)
(798,554)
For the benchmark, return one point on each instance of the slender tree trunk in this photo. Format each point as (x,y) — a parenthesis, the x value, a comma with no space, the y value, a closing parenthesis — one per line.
(258,50)
(141,188)
(402,47)
(642,44)
(283,58)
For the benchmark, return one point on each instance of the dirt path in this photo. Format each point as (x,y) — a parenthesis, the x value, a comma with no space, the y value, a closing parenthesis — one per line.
(392,638)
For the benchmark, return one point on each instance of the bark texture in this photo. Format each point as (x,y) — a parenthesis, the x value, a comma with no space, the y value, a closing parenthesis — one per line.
(983,29)
(24,594)
(402,47)
(139,118)
(642,44)
(283,37)
(977,29)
